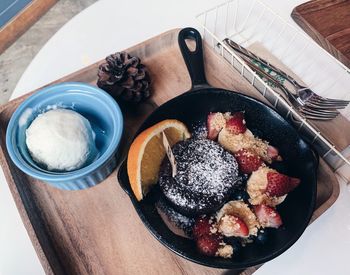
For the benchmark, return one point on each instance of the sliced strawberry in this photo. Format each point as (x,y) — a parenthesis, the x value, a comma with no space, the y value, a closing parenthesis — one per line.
(279,184)
(248,162)
(272,152)
(236,123)
(209,244)
(267,216)
(233,226)
(215,122)
(202,226)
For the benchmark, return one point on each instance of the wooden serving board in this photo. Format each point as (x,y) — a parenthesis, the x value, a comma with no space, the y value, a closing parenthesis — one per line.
(97,230)
(328,23)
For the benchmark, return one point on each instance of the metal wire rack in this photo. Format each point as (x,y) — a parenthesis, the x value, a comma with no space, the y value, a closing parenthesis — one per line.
(251,21)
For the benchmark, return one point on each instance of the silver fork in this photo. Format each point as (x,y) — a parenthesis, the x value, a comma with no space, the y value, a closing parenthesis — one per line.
(307,111)
(304,95)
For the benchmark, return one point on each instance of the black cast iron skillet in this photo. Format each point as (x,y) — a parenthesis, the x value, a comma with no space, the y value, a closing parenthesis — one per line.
(299,161)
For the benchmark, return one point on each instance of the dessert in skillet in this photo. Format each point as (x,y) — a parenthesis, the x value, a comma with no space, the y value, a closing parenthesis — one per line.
(223,194)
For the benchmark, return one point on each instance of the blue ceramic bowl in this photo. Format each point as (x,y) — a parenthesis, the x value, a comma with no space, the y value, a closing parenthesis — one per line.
(95,105)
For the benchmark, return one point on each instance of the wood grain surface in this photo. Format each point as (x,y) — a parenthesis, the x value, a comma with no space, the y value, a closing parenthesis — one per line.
(328,23)
(97,230)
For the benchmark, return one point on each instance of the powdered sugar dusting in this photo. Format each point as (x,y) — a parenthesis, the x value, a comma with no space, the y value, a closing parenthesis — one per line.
(200,130)
(206,175)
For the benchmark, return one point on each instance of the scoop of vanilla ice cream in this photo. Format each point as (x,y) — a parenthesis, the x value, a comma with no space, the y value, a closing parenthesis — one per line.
(61,140)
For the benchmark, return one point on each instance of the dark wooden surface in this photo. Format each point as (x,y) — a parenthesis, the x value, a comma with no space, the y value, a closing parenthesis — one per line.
(97,231)
(328,23)
(10,32)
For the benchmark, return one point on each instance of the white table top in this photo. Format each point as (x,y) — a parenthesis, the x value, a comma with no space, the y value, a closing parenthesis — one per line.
(109,26)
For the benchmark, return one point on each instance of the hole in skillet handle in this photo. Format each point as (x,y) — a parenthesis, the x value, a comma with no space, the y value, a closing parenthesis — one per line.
(191,45)
(193,56)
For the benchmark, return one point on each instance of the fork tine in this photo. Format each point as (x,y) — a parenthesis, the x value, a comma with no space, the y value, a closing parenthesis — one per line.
(319,106)
(317,113)
(331,104)
(321,111)
(328,100)
(317,118)
(335,101)
(313,116)
(322,106)
(332,100)
(326,105)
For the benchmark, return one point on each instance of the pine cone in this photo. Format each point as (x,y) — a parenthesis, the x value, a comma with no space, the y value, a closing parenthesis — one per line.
(123,76)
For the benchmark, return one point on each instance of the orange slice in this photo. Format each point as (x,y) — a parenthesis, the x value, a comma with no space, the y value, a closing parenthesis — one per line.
(147,152)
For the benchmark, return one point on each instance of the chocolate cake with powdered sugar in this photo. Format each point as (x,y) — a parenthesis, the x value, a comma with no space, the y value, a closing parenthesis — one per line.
(206,177)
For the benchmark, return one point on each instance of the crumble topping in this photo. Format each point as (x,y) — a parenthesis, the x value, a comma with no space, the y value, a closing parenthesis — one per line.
(256,187)
(246,140)
(228,224)
(218,121)
(225,251)
(241,210)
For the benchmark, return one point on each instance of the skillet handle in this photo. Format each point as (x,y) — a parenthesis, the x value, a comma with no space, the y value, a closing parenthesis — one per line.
(193,59)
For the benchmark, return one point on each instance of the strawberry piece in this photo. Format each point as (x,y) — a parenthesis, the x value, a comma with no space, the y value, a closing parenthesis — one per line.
(236,123)
(209,244)
(273,154)
(267,216)
(279,184)
(215,122)
(248,162)
(202,227)
(233,226)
